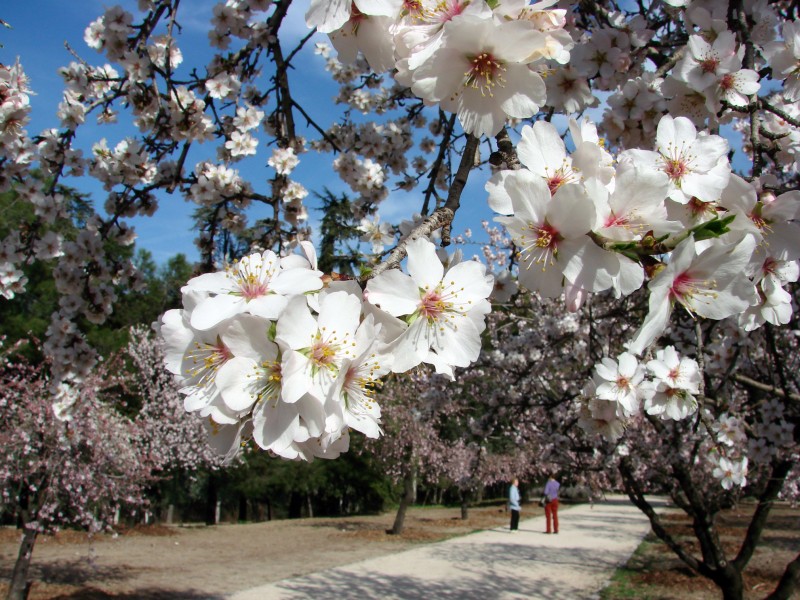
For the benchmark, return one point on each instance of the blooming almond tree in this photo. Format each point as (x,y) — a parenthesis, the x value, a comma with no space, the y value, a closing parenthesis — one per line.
(76,470)
(697,111)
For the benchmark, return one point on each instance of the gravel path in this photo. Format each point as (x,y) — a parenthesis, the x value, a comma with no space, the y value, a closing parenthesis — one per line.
(492,564)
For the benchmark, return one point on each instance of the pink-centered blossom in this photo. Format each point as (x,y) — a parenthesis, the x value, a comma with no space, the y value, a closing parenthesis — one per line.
(712,284)
(696,164)
(618,381)
(551,236)
(258,284)
(444,309)
(481,72)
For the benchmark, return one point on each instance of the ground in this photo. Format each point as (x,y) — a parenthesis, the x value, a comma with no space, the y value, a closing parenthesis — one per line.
(167,563)
(655,573)
(193,562)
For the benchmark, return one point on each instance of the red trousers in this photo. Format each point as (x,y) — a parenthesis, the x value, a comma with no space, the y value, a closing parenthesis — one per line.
(551,514)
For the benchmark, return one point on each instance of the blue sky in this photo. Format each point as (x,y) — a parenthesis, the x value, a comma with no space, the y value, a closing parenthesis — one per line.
(169,231)
(39,31)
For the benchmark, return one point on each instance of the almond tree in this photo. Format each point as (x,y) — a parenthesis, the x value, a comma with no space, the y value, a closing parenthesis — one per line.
(61,472)
(642,208)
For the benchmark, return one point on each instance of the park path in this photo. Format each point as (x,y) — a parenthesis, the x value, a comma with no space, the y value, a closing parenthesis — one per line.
(493,564)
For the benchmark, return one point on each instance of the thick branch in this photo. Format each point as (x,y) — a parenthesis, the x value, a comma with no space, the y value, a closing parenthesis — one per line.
(506,154)
(635,493)
(437,164)
(777,111)
(764,387)
(777,477)
(789,581)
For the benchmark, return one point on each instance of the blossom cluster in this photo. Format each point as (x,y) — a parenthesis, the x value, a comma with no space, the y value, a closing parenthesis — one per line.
(665,386)
(474,60)
(268,350)
(581,220)
(74,471)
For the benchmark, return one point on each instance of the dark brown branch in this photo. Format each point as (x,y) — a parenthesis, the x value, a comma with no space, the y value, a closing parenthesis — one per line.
(457,187)
(437,164)
(506,155)
(764,387)
(777,111)
(765,501)
(788,583)
(636,495)
(441,217)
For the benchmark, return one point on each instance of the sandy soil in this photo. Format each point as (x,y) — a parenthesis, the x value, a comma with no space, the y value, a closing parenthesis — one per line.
(167,563)
(655,572)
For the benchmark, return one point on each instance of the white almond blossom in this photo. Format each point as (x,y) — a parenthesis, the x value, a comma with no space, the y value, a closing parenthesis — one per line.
(283,160)
(731,472)
(316,347)
(369,34)
(697,165)
(735,89)
(420,31)
(551,236)
(542,151)
(711,284)
(444,310)
(258,284)
(351,399)
(481,72)
(705,63)
(677,379)
(329,15)
(376,233)
(784,58)
(618,381)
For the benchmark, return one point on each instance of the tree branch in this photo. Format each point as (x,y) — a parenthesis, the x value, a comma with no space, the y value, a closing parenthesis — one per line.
(635,493)
(441,217)
(788,583)
(764,387)
(765,500)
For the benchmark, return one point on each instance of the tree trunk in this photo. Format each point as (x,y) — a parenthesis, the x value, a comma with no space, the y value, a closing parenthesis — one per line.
(464,505)
(407,500)
(295,506)
(211,501)
(19,587)
(731,583)
(310,506)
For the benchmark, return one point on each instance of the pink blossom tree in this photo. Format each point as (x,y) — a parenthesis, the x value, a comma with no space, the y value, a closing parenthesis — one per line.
(60,472)
(172,442)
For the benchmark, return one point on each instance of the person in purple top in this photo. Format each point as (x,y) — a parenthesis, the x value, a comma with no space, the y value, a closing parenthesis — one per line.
(551,507)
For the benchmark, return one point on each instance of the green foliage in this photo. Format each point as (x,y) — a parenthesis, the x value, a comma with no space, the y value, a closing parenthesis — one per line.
(161,292)
(713,228)
(338,228)
(27,315)
(353,483)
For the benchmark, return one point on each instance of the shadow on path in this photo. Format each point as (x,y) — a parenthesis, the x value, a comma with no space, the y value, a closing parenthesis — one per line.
(338,585)
(139,594)
(491,565)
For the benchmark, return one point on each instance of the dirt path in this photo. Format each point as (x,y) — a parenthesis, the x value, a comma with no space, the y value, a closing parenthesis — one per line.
(167,563)
(496,564)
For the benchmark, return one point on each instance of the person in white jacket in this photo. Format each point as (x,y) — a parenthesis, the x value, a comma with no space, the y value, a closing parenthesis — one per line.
(513,504)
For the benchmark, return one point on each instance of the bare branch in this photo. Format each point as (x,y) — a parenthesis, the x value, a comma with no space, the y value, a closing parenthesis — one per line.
(441,217)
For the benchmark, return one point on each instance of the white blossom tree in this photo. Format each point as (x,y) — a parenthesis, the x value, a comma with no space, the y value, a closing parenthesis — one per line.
(678,206)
